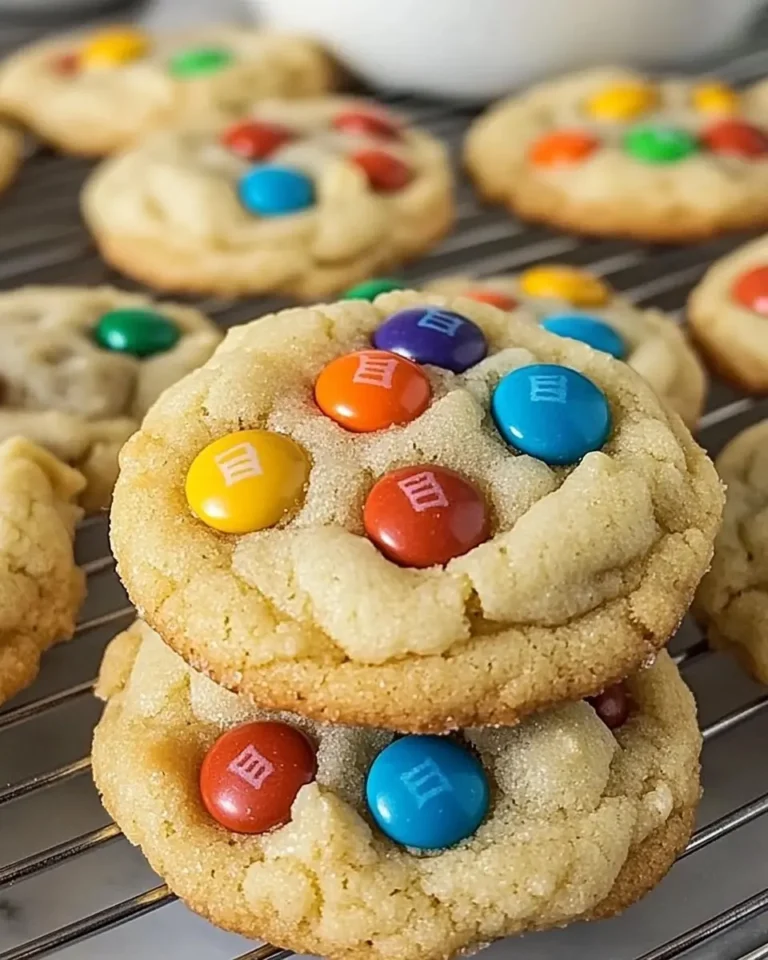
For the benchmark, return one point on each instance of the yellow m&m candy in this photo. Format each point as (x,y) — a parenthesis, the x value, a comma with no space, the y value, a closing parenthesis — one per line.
(113,48)
(247,481)
(715,97)
(565,283)
(624,101)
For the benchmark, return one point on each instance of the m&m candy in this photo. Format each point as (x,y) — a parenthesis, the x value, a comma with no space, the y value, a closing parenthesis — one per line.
(427,792)
(551,412)
(590,330)
(273,191)
(138,332)
(255,141)
(370,289)
(562,147)
(715,97)
(736,138)
(494,298)
(198,61)
(384,171)
(565,283)
(425,515)
(621,102)
(658,144)
(372,390)
(247,481)
(612,706)
(366,123)
(65,64)
(113,48)
(251,775)
(751,290)
(433,335)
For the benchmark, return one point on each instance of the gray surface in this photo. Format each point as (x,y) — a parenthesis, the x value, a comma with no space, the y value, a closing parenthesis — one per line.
(73,874)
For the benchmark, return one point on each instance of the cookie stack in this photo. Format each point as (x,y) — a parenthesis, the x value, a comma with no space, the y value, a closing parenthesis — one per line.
(406,569)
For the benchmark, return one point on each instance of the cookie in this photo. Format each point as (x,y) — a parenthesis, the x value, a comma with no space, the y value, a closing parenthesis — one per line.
(732,601)
(301,197)
(728,316)
(312,520)
(80,366)
(41,588)
(576,304)
(94,93)
(576,820)
(11,154)
(613,152)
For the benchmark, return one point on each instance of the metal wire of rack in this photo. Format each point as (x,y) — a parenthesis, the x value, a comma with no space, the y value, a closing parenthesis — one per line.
(70,885)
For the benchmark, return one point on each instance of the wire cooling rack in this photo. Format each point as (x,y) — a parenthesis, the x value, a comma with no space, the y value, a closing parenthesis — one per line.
(70,884)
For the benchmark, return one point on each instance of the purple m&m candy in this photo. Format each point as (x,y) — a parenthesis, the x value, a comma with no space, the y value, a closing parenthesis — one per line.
(432,335)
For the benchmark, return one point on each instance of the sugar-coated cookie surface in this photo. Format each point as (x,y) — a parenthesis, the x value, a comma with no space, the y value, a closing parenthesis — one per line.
(41,588)
(610,151)
(261,527)
(574,303)
(732,600)
(583,820)
(303,197)
(728,316)
(80,366)
(95,92)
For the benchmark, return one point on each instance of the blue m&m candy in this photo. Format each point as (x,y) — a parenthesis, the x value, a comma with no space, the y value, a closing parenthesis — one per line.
(595,333)
(551,412)
(432,335)
(427,792)
(274,191)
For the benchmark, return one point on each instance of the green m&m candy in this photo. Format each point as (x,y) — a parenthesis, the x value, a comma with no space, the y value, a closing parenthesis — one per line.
(199,60)
(657,144)
(138,332)
(370,289)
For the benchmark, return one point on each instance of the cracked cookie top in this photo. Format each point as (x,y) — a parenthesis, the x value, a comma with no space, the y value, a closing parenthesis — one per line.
(41,587)
(96,92)
(612,151)
(580,820)
(268,510)
(79,367)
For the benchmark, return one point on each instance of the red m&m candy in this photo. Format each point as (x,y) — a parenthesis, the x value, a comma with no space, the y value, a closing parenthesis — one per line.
(372,390)
(425,515)
(612,706)
(385,173)
(737,138)
(255,141)
(493,297)
(251,775)
(66,64)
(751,290)
(366,123)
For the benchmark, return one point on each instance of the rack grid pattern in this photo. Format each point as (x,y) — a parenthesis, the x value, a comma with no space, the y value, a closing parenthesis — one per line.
(70,885)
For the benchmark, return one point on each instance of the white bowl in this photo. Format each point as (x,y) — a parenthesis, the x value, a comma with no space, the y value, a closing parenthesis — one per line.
(478,49)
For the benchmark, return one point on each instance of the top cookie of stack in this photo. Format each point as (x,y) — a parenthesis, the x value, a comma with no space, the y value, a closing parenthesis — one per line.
(419,513)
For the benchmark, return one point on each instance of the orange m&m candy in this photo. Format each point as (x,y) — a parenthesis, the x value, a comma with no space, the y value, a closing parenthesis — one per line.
(425,515)
(385,173)
(372,390)
(251,775)
(562,147)
(255,141)
(246,481)
(751,290)
(493,297)
(737,138)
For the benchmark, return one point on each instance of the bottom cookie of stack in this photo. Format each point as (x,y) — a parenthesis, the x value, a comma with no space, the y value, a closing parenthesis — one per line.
(582,819)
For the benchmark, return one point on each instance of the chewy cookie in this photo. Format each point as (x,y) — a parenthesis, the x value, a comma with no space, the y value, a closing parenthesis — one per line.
(41,588)
(313,836)
(613,152)
(573,303)
(11,154)
(728,316)
(423,496)
(732,600)
(301,197)
(96,92)
(80,366)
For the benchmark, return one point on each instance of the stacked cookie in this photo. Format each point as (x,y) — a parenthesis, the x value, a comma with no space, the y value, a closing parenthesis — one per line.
(452,545)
